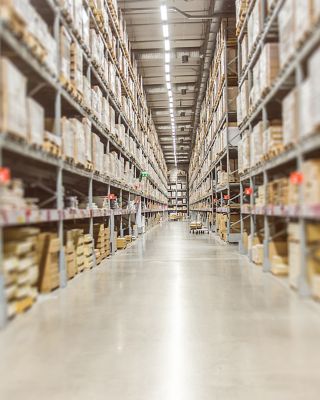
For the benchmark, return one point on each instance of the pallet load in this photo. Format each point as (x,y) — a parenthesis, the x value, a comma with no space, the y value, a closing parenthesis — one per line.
(88,251)
(121,243)
(49,247)
(313,258)
(76,236)
(107,241)
(13,94)
(278,254)
(70,257)
(21,268)
(99,239)
(294,252)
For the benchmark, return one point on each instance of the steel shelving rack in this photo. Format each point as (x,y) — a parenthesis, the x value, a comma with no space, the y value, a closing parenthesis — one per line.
(178,203)
(291,159)
(54,177)
(217,199)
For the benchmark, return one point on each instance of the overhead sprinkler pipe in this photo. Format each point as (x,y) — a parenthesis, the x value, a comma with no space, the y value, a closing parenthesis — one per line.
(175,9)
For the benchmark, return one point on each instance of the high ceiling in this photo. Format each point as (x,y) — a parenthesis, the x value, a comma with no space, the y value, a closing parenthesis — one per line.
(192,28)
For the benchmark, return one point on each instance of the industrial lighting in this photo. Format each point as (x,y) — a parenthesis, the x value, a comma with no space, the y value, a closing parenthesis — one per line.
(168,77)
(167,68)
(164,12)
(165,30)
(170,93)
(168,85)
(167,45)
(167,58)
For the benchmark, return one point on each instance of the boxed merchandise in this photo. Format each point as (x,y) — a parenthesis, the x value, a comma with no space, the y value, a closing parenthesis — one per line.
(13,92)
(269,65)
(311,178)
(65,54)
(290,113)
(286,22)
(257,254)
(121,243)
(256,144)
(70,258)
(35,122)
(313,257)
(49,247)
(76,66)
(294,253)
(67,134)
(79,142)
(88,138)
(278,255)
(20,267)
(314,94)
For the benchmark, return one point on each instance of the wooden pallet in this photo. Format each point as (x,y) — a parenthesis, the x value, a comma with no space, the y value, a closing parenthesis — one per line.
(23,305)
(274,152)
(89,166)
(36,48)
(52,148)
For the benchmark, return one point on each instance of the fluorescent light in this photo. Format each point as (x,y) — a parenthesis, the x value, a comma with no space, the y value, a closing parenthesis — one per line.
(165,30)
(167,45)
(168,77)
(167,68)
(167,58)
(164,12)
(170,93)
(168,85)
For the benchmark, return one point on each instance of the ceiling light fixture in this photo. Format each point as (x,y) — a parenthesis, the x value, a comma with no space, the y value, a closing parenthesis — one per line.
(167,45)
(167,58)
(165,30)
(164,12)
(167,68)
(168,77)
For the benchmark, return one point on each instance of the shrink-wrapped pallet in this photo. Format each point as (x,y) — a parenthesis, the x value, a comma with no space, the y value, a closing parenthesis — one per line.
(76,66)
(273,137)
(88,138)
(311,178)
(79,142)
(97,154)
(96,102)
(13,91)
(256,144)
(269,65)
(85,27)
(246,151)
(105,113)
(35,122)
(67,7)
(314,68)
(290,113)
(65,54)
(86,93)
(67,134)
(77,15)
(306,98)
(286,20)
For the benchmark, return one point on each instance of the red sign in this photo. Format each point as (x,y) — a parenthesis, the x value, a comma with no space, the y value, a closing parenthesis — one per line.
(226,197)
(112,196)
(296,178)
(248,191)
(5,175)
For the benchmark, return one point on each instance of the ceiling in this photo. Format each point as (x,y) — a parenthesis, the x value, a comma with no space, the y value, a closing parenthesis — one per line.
(191,48)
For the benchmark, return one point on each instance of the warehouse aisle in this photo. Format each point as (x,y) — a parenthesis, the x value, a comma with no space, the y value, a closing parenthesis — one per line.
(174,317)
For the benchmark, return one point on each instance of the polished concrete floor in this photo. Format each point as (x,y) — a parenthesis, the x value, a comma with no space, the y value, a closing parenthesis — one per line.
(175,317)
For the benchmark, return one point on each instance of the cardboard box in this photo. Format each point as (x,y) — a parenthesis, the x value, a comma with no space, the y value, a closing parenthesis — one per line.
(35,122)
(13,91)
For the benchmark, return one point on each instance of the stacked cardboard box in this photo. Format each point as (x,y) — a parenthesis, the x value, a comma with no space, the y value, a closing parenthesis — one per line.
(20,268)
(70,256)
(278,255)
(88,251)
(49,247)
(313,258)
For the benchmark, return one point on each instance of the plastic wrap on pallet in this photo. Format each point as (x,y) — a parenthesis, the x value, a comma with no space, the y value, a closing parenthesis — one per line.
(65,53)
(256,144)
(97,153)
(314,68)
(86,93)
(77,15)
(269,65)
(76,66)
(85,27)
(67,133)
(67,6)
(311,178)
(13,92)
(286,22)
(35,122)
(306,97)
(79,142)
(105,113)
(290,118)
(88,138)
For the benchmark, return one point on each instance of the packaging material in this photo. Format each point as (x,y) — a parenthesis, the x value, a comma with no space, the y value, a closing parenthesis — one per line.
(35,114)
(290,113)
(76,66)
(311,178)
(65,54)
(13,92)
